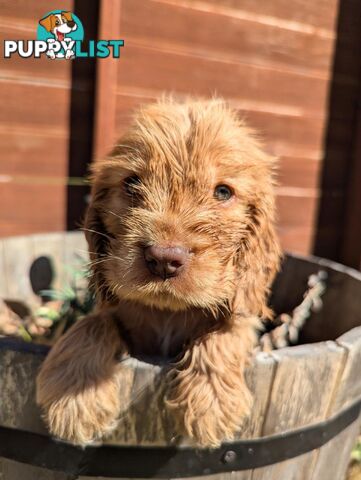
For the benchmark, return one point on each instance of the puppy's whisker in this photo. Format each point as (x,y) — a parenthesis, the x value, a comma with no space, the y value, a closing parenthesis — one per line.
(89,251)
(115,287)
(96,232)
(115,214)
(102,260)
(93,261)
(97,262)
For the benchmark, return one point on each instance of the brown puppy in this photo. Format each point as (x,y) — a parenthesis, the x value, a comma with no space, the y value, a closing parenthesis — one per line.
(181,236)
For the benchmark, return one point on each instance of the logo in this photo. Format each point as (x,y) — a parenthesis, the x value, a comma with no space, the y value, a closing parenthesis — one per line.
(60,30)
(60,34)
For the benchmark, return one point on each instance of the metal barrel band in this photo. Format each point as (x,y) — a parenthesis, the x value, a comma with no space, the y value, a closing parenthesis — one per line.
(170,462)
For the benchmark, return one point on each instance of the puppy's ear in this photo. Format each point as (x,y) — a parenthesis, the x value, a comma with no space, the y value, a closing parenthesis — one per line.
(258,258)
(98,241)
(67,15)
(102,176)
(47,22)
(95,232)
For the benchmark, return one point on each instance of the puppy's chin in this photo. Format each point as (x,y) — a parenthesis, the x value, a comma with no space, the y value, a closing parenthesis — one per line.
(165,296)
(159,301)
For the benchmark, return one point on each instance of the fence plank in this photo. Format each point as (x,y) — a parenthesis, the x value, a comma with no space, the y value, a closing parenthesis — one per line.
(3,280)
(24,147)
(23,10)
(177,27)
(321,14)
(260,86)
(107,74)
(33,109)
(28,207)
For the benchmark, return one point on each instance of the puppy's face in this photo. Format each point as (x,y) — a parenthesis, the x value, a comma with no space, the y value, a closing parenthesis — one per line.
(175,208)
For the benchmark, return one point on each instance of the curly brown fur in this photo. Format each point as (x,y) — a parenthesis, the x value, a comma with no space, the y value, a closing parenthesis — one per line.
(207,315)
(77,385)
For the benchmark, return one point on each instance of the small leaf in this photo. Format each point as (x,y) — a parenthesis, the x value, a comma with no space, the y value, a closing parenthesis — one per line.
(25,335)
(356,452)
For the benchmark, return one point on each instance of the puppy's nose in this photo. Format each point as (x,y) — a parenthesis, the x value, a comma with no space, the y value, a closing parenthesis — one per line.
(165,262)
(70,23)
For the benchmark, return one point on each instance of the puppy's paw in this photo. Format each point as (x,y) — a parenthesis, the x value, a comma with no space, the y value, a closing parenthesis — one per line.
(214,426)
(84,417)
(212,413)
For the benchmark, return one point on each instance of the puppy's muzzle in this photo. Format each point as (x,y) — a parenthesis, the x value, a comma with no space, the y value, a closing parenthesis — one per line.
(165,262)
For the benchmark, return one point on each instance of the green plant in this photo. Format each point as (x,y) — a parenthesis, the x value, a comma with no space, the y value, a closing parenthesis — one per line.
(59,310)
(356,452)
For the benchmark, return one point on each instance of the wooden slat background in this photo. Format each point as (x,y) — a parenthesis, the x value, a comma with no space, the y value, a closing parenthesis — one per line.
(272,59)
(34,128)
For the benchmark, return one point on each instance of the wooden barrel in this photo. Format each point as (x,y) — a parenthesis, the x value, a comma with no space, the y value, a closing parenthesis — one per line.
(303,425)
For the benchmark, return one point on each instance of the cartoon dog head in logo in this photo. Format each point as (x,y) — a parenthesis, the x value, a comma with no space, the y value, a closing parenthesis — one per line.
(59,25)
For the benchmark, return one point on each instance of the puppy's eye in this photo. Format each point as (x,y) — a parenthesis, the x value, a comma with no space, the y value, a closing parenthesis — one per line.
(57,22)
(223,192)
(130,185)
